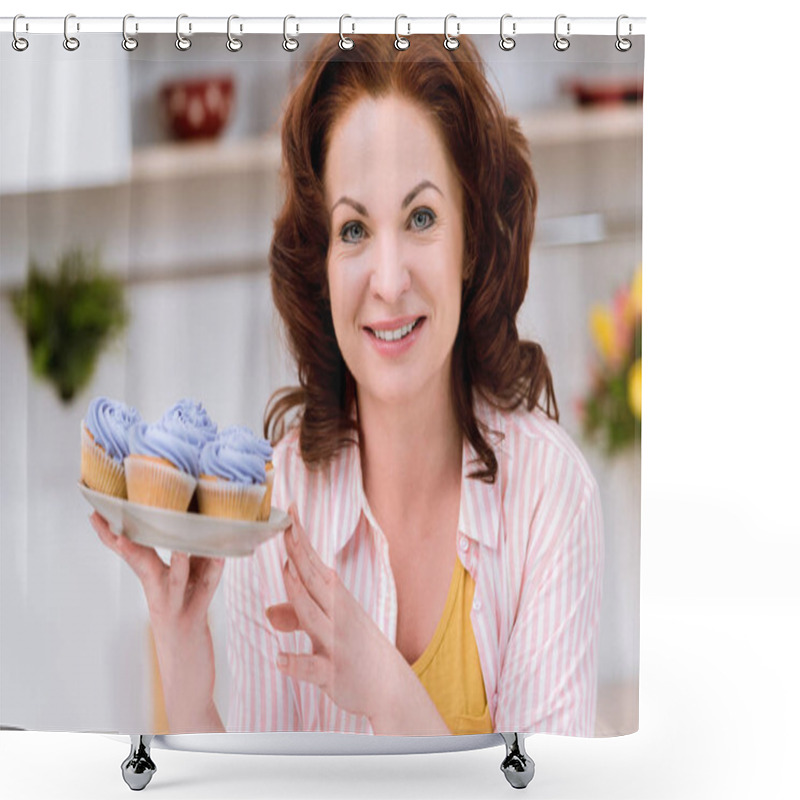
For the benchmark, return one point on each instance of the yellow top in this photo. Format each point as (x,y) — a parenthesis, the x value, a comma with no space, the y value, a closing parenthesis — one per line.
(450,668)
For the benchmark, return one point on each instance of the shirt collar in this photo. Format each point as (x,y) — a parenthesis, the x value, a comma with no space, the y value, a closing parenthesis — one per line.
(479,511)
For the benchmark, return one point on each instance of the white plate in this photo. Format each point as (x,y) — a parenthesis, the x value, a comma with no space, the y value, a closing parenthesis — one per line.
(186,532)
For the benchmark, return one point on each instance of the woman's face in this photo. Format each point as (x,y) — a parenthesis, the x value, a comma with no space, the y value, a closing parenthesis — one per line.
(395,257)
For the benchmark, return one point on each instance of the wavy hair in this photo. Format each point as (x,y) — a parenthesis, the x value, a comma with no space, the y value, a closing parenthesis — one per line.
(492,159)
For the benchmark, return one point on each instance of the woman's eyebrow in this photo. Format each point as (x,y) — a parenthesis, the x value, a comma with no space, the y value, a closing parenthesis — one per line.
(354,203)
(406,200)
(417,189)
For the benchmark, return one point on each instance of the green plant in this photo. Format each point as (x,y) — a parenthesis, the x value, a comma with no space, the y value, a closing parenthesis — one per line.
(69,317)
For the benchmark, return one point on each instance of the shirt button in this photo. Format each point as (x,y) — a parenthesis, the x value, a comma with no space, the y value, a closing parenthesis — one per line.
(476,604)
(464,544)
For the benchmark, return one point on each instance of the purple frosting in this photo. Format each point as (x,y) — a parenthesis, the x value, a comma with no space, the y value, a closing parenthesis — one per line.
(155,440)
(109,422)
(244,439)
(188,420)
(223,458)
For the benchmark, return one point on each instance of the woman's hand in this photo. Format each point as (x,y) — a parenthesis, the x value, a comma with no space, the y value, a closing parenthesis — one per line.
(351,657)
(352,661)
(178,597)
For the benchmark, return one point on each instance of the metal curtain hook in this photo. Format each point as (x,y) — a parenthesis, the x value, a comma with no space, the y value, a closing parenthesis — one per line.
(70,42)
(290,44)
(561,43)
(181,42)
(451,42)
(400,42)
(233,44)
(18,43)
(623,45)
(344,42)
(506,42)
(129,43)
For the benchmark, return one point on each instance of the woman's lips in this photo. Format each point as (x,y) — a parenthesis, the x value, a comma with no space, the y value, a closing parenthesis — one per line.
(389,337)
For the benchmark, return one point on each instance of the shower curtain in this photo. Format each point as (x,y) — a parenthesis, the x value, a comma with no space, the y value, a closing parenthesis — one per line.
(154,227)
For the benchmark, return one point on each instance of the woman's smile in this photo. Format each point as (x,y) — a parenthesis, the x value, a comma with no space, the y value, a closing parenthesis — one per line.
(395,337)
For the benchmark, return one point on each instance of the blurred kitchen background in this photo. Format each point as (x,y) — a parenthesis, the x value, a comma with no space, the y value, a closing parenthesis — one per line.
(164,165)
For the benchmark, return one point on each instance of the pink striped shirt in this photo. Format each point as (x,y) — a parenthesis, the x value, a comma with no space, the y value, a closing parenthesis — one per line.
(532,541)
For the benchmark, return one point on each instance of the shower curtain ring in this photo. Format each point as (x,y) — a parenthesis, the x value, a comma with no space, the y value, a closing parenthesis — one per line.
(18,43)
(290,44)
(233,44)
(561,43)
(345,43)
(181,42)
(129,43)
(507,42)
(400,42)
(623,45)
(70,42)
(451,42)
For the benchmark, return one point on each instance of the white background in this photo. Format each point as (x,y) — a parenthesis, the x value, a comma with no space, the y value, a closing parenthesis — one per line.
(720,612)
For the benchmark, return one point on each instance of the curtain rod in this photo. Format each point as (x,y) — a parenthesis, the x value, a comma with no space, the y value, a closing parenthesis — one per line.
(407,26)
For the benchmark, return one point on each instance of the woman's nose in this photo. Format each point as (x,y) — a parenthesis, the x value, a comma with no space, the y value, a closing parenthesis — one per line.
(390,276)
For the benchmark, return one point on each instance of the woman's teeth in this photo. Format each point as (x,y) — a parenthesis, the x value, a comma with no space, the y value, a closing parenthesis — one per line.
(397,333)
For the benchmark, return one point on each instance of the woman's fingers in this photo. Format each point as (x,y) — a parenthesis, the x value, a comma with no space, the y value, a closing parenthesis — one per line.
(144,561)
(311,617)
(315,576)
(311,668)
(283,617)
(305,546)
(190,582)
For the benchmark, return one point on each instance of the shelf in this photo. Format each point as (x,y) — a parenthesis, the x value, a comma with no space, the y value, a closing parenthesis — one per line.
(548,128)
(582,125)
(178,160)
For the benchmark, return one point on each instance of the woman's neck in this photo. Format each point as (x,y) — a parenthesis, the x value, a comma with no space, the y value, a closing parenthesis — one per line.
(411,453)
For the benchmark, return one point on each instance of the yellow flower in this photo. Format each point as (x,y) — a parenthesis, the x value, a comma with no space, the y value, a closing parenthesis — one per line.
(601,325)
(635,295)
(635,388)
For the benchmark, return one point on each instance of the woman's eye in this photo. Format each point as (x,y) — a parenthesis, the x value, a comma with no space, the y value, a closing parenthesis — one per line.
(422,218)
(353,232)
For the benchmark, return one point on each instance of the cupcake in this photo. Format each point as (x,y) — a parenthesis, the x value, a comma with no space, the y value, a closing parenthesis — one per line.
(104,445)
(190,421)
(232,481)
(162,467)
(246,440)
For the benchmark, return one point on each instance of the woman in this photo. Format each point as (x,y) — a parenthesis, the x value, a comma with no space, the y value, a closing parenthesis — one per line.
(443,570)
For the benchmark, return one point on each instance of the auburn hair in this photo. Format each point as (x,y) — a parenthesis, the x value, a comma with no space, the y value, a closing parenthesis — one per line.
(492,159)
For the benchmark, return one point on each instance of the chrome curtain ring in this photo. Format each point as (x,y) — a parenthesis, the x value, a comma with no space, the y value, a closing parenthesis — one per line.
(290,44)
(506,42)
(451,42)
(129,43)
(18,43)
(181,42)
(400,42)
(623,45)
(344,42)
(561,43)
(233,44)
(70,42)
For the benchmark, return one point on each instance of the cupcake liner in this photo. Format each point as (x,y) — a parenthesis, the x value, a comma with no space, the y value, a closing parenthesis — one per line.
(266,504)
(217,497)
(156,482)
(98,470)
